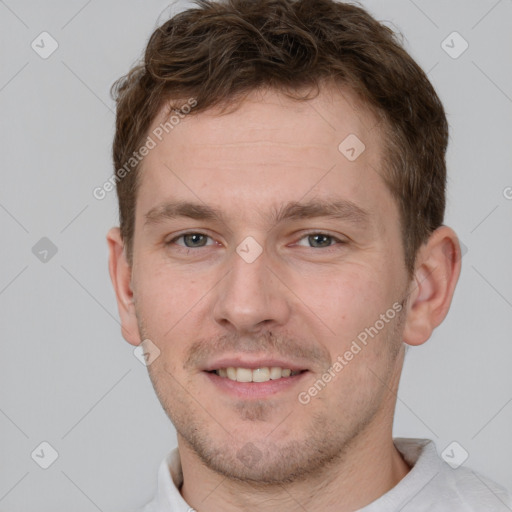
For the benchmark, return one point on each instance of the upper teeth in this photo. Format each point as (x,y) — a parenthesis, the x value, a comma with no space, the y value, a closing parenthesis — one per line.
(256,375)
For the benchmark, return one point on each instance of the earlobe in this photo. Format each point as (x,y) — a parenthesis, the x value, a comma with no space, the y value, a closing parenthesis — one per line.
(431,293)
(120,274)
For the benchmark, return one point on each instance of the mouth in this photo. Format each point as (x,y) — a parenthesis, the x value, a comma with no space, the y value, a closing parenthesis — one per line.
(257,379)
(264,374)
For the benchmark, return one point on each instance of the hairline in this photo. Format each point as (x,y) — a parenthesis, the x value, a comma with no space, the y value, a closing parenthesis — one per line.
(389,137)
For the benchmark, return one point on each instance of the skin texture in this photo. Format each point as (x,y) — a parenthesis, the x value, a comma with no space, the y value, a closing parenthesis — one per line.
(304,299)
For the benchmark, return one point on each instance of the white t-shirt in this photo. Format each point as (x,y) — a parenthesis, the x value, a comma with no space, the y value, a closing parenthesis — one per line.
(430,486)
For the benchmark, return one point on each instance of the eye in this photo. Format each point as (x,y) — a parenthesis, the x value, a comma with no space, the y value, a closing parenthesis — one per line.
(320,240)
(197,240)
(191,240)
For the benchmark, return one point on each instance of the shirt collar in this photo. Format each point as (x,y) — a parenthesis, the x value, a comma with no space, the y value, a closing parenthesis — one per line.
(420,454)
(170,480)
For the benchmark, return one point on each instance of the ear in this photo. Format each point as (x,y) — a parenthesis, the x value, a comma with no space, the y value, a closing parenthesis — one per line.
(436,274)
(120,274)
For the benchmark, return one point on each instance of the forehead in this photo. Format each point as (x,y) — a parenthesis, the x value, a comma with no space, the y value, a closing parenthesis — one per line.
(276,119)
(269,148)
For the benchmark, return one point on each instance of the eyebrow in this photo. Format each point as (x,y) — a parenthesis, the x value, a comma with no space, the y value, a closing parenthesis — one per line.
(340,209)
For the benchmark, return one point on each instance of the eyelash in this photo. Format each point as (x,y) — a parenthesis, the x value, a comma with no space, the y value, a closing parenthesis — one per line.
(326,249)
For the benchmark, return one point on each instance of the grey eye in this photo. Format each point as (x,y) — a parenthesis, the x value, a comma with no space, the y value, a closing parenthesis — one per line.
(318,240)
(194,240)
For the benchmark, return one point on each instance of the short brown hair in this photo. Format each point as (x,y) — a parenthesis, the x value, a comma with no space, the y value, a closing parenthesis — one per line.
(219,51)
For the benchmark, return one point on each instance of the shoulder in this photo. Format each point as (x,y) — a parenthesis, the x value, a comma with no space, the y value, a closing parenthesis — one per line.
(438,487)
(467,490)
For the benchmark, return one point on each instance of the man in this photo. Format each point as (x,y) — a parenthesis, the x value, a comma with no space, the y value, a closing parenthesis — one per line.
(280,168)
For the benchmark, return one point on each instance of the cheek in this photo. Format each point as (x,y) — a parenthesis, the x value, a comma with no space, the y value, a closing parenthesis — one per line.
(347,301)
(166,303)
(167,293)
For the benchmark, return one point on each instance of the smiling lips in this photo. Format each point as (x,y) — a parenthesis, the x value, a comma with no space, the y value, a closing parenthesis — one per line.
(264,374)
(253,378)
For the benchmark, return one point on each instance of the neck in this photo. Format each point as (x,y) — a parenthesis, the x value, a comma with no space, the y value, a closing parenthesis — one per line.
(370,468)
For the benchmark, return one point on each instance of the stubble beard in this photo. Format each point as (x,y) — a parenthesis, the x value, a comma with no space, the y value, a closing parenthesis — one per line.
(267,461)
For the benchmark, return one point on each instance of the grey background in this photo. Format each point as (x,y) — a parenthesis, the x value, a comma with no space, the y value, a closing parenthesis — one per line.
(66,375)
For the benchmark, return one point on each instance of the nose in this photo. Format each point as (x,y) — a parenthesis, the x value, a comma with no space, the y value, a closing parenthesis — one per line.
(252,296)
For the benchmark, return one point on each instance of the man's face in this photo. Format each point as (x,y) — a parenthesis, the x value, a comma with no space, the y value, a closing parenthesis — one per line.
(260,292)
